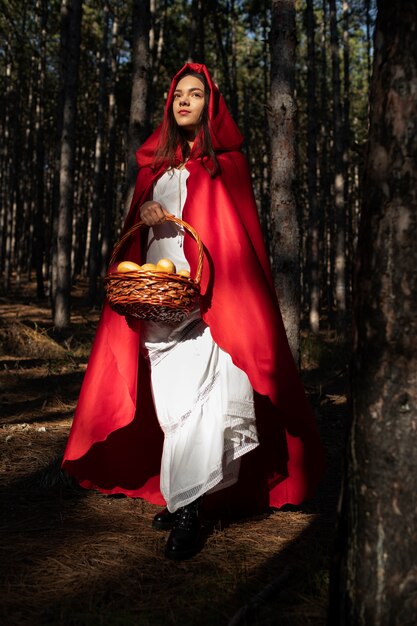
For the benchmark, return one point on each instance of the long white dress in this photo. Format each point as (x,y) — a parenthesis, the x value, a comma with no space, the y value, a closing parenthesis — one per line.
(204,403)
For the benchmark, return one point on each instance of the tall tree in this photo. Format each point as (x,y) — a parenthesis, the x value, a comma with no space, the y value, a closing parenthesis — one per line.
(106,233)
(339,206)
(71,11)
(346,153)
(326,259)
(313,237)
(98,186)
(285,242)
(193,36)
(39,240)
(377,585)
(139,122)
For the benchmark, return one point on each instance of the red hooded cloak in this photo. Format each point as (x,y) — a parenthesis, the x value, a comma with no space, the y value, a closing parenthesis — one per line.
(115,442)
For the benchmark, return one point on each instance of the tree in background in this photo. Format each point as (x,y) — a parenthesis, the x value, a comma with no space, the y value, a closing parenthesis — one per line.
(314,218)
(139,120)
(70,51)
(285,243)
(376,581)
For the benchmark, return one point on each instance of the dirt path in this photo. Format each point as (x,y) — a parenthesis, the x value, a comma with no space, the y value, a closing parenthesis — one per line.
(73,557)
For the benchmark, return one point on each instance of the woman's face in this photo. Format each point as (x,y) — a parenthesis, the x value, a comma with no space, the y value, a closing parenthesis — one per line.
(188,103)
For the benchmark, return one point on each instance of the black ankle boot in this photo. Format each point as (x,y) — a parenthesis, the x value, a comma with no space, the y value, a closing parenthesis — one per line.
(184,539)
(164,520)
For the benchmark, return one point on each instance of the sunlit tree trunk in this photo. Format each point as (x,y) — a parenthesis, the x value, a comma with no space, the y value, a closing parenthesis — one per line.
(71,12)
(139,104)
(376,581)
(284,224)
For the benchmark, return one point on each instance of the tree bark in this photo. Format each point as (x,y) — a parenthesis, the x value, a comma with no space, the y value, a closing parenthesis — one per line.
(339,207)
(327,231)
(39,239)
(139,123)
(106,232)
(368,40)
(234,96)
(377,580)
(193,31)
(7,232)
(222,50)
(284,223)
(313,236)
(98,185)
(70,11)
(346,154)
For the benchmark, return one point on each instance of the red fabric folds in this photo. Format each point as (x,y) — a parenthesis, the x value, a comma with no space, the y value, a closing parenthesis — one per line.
(115,441)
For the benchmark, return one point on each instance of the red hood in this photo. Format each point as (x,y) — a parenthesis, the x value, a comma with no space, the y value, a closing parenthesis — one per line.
(225,135)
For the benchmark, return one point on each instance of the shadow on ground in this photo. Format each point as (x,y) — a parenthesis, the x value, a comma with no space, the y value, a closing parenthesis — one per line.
(76,558)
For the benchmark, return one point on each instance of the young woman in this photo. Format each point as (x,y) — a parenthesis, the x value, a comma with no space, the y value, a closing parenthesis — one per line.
(213,405)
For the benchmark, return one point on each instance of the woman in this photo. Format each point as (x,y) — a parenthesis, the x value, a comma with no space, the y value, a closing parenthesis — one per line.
(223,384)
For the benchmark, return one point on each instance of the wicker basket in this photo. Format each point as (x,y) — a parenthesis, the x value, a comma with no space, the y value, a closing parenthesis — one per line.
(157,296)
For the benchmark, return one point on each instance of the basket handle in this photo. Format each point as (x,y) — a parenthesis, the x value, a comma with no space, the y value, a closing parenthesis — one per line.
(169,218)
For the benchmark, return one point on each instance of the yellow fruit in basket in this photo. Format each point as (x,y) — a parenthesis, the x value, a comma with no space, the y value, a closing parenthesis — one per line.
(165,265)
(127,266)
(185,273)
(149,267)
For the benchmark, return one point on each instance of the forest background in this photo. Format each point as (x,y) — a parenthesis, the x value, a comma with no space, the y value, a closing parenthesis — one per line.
(65,214)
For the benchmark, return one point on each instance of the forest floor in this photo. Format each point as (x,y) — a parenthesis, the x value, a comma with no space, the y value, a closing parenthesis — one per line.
(74,557)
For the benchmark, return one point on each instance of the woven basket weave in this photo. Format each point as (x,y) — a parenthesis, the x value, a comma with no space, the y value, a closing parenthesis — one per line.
(156,296)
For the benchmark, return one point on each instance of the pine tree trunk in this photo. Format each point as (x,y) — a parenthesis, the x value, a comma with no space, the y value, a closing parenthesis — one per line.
(156,47)
(201,51)
(139,105)
(263,156)
(368,40)
(339,207)
(98,185)
(234,96)
(313,233)
(8,161)
(193,32)
(111,154)
(346,153)
(284,224)
(39,240)
(70,11)
(378,580)
(222,50)
(327,232)
(59,118)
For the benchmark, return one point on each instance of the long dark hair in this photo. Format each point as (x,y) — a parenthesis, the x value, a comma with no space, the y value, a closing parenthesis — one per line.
(172,136)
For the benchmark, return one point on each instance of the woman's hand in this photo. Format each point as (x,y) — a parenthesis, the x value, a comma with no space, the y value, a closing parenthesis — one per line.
(152,213)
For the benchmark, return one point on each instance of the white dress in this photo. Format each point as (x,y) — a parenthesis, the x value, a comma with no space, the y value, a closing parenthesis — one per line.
(204,403)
